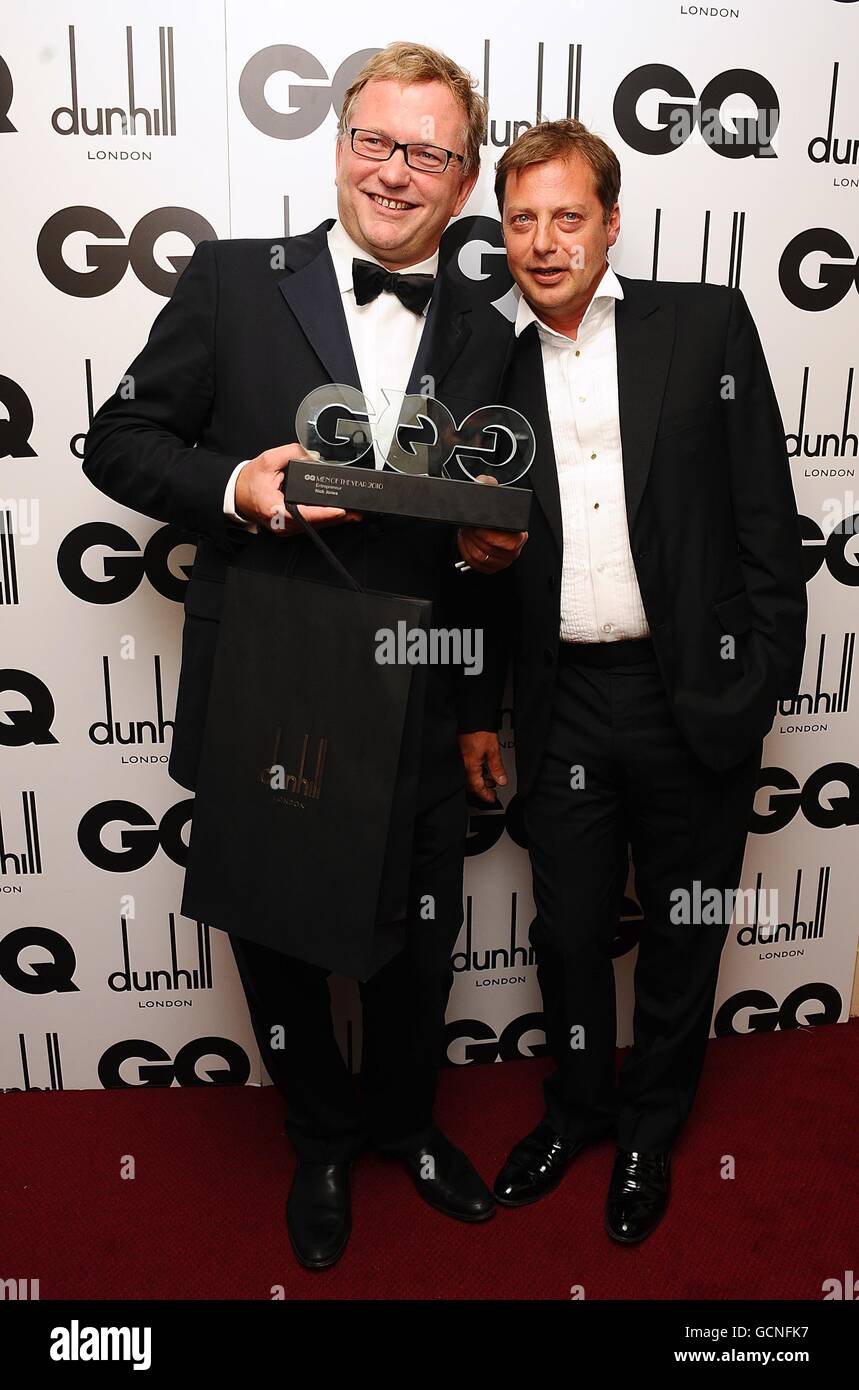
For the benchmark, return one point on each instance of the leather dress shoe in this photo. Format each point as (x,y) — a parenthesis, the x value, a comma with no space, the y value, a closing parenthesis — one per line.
(535,1166)
(637,1195)
(318,1213)
(446,1179)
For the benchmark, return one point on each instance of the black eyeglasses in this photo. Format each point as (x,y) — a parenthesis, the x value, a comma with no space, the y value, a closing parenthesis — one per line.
(429,159)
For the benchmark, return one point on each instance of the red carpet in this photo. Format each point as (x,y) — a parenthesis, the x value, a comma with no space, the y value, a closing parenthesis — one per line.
(203,1218)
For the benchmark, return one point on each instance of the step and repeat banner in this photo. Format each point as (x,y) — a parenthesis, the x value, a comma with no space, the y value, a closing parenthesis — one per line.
(129,132)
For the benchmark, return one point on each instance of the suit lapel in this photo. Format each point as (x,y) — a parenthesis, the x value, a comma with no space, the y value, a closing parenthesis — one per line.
(644,333)
(528,395)
(310,290)
(446,331)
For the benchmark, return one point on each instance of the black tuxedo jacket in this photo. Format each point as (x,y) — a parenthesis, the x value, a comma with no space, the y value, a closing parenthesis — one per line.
(228,361)
(712,522)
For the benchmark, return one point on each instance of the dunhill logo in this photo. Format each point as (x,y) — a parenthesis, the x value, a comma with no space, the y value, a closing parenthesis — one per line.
(76,443)
(29,860)
(55,1069)
(8,561)
(100,120)
(146,980)
(824,149)
(108,730)
(815,446)
(828,701)
(735,258)
(770,933)
(497,958)
(280,780)
(502,138)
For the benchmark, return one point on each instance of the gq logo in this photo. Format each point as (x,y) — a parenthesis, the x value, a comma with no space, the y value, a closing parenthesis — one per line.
(486,824)
(750,135)
(310,103)
(832,549)
(472,251)
(835,277)
(51,976)
(6,90)
(18,727)
(483,1045)
(183,1070)
(17,426)
(122,571)
(766,1015)
(108,264)
(825,810)
(488,821)
(140,844)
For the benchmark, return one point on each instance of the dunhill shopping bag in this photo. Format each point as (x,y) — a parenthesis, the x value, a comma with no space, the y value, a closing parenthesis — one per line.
(306,791)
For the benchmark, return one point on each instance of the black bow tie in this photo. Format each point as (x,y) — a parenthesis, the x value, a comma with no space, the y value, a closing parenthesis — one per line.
(370,280)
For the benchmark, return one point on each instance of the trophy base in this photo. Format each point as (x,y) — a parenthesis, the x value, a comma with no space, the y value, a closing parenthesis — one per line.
(403,494)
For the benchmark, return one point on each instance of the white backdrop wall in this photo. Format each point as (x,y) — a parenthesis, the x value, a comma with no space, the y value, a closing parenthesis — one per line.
(130,131)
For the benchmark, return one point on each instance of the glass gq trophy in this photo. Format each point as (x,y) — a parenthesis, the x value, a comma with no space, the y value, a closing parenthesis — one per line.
(431,464)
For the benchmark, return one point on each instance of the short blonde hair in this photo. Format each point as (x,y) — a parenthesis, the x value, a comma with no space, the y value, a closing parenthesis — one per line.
(560,140)
(414,62)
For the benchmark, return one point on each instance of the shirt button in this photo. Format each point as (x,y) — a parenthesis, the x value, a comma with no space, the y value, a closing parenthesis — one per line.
(593,456)
(607,627)
(583,398)
(600,569)
(596,506)
(578,354)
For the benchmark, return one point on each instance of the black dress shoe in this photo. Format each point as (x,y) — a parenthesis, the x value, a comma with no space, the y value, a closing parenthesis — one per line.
(446,1179)
(637,1195)
(535,1166)
(318,1213)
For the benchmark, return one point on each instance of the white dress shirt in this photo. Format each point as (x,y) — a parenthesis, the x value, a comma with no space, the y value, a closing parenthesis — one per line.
(385,336)
(600,597)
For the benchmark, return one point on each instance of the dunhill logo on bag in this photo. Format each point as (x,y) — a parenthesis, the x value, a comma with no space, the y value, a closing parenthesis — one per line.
(302,787)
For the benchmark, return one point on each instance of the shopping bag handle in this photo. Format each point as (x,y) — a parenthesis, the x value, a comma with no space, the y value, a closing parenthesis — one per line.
(326,550)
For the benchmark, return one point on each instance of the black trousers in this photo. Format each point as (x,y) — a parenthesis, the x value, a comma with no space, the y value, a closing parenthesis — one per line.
(617,772)
(403,1014)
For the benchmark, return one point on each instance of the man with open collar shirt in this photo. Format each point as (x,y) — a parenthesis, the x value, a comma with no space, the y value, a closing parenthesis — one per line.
(656,616)
(363,302)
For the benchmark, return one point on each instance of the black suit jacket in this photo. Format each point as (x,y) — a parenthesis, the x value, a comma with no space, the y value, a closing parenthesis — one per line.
(712,522)
(228,360)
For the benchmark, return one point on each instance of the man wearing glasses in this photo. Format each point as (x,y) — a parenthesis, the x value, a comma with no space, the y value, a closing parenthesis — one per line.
(363,302)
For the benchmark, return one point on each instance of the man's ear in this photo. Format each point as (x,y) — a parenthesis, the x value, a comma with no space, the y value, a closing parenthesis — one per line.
(465,191)
(613,228)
